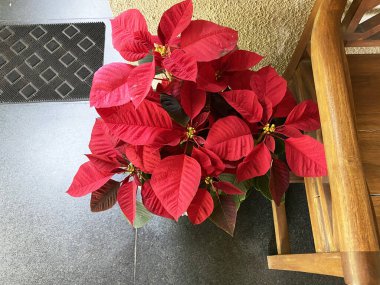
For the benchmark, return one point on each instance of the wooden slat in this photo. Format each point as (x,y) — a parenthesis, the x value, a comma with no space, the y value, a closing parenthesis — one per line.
(318,263)
(376,206)
(281,228)
(365,30)
(317,189)
(349,191)
(365,78)
(356,12)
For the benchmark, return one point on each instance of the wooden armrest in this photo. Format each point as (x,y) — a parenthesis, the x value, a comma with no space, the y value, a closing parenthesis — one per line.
(350,197)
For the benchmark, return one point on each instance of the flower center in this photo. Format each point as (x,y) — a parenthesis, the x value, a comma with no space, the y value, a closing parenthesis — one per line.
(131,168)
(218,75)
(268,128)
(162,50)
(208,180)
(190,132)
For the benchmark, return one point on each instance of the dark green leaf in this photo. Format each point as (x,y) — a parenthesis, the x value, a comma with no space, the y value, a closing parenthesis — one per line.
(224,214)
(280,149)
(244,186)
(261,184)
(104,198)
(148,58)
(174,109)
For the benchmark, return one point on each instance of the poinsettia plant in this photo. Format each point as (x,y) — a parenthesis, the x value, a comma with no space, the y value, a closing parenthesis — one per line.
(210,131)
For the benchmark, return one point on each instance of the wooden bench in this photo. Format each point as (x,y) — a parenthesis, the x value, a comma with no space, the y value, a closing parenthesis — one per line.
(344,207)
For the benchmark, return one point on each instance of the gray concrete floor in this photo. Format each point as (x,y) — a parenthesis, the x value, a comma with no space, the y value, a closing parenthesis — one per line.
(47,237)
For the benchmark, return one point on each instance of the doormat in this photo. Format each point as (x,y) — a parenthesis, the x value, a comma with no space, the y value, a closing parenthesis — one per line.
(54,62)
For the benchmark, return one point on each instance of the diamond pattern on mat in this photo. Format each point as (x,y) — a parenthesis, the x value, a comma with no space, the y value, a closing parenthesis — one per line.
(67,59)
(86,44)
(18,47)
(38,32)
(28,91)
(48,74)
(83,73)
(54,62)
(71,31)
(53,45)
(6,33)
(34,60)
(13,76)
(3,60)
(64,89)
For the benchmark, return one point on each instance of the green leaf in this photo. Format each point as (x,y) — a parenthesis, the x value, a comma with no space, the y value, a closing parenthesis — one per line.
(244,186)
(148,58)
(261,184)
(174,109)
(143,216)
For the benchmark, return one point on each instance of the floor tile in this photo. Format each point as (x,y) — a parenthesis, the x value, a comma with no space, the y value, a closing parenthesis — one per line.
(170,253)
(48,237)
(47,10)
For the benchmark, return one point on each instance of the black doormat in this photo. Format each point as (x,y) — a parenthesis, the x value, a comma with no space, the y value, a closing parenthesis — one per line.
(49,62)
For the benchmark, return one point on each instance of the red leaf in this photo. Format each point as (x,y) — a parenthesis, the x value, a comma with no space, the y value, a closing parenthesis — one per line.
(285,106)
(208,41)
(175,20)
(270,143)
(181,65)
(211,164)
(246,103)
(192,99)
(207,79)
(126,197)
(201,207)
(109,86)
(267,109)
(176,182)
(306,156)
(304,116)
(230,138)
(200,119)
(139,82)
(134,51)
(288,131)
(102,142)
(228,188)
(148,125)
(151,202)
(103,163)
(105,197)
(238,80)
(88,179)
(224,214)
(241,60)
(257,163)
(147,158)
(279,180)
(268,84)
(124,28)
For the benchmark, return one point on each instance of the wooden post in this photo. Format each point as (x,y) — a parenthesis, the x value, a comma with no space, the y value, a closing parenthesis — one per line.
(358,239)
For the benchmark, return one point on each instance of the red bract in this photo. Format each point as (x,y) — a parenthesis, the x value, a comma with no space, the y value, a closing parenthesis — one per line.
(268,84)
(110,86)
(230,138)
(176,182)
(148,125)
(201,207)
(173,55)
(209,130)
(230,70)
